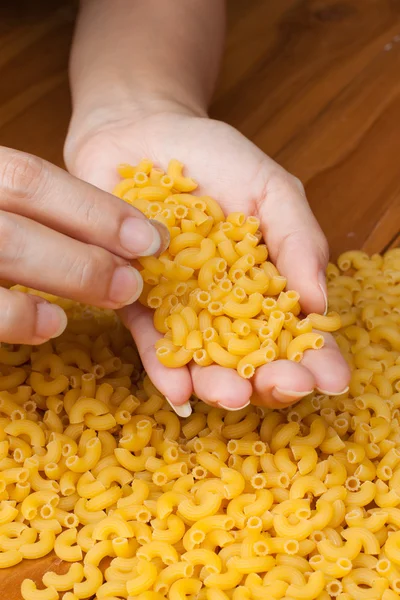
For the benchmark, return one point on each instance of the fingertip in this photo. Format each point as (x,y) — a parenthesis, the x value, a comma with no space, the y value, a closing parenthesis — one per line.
(331,371)
(182,410)
(302,262)
(139,237)
(334,380)
(282,382)
(312,298)
(308,280)
(174,384)
(51,320)
(219,386)
(126,286)
(164,235)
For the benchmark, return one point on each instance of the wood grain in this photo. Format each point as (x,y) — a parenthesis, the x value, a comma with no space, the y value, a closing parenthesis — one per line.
(315,83)
(316,88)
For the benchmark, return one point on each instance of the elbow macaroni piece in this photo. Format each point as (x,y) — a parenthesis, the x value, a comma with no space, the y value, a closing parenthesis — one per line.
(300,503)
(30,592)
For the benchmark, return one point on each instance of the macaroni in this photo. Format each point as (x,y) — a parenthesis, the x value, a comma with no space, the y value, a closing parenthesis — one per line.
(63,583)
(301,503)
(30,592)
(218,264)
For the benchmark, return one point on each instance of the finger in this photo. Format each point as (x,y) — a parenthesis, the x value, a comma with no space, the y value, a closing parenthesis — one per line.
(295,240)
(222,387)
(34,188)
(282,383)
(27,319)
(331,371)
(44,259)
(175,384)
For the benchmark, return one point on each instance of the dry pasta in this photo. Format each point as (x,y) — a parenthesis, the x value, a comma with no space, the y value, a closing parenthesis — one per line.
(226,265)
(300,503)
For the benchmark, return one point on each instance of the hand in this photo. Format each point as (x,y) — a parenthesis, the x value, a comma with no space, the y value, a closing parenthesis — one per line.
(235,172)
(63,236)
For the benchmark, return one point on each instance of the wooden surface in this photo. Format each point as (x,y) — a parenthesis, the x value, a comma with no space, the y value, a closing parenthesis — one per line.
(315,83)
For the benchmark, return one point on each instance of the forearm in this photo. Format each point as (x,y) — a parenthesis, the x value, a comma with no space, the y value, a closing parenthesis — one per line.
(140,53)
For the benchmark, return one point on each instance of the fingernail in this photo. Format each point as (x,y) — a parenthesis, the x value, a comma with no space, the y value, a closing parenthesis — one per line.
(51,320)
(139,237)
(326,393)
(184,410)
(126,285)
(163,232)
(232,408)
(324,289)
(287,396)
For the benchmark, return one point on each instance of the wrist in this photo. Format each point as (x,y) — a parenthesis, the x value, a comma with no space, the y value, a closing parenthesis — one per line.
(97,101)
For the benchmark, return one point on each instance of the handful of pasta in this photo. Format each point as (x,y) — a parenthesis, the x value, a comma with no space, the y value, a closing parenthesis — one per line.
(217,299)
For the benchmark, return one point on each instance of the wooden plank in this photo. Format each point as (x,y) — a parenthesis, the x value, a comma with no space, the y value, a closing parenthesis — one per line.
(351,191)
(34,104)
(253,28)
(301,46)
(29,569)
(310,100)
(395,243)
(387,228)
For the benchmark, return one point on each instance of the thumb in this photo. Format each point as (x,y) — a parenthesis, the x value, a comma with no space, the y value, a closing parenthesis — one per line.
(295,240)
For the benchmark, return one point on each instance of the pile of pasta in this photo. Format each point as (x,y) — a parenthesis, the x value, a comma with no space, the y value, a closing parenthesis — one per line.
(135,503)
(215,296)
(301,503)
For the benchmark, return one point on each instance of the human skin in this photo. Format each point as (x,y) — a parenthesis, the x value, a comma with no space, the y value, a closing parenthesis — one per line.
(48,242)
(142,75)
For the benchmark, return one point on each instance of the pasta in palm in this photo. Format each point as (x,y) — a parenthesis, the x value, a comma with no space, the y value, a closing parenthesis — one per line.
(226,265)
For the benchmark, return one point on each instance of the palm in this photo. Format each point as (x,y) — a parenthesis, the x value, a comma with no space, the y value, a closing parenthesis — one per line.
(227,164)
(232,170)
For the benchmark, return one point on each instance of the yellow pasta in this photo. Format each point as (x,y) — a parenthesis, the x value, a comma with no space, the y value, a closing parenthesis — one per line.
(93,579)
(26,428)
(63,583)
(301,503)
(30,592)
(305,341)
(65,546)
(180,183)
(174,358)
(226,265)
(40,548)
(330,322)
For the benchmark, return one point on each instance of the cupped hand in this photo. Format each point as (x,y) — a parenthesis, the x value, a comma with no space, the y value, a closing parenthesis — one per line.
(65,237)
(241,178)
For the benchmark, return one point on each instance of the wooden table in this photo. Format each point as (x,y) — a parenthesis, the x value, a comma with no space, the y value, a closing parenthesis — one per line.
(315,83)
